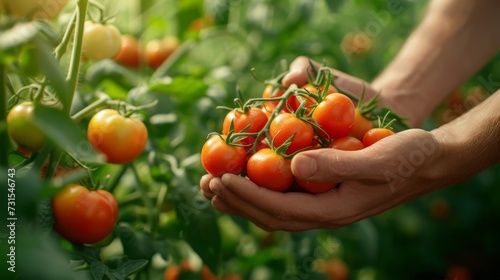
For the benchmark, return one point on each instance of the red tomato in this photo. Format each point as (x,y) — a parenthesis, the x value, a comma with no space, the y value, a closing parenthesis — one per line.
(84,216)
(270,91)
(157,51)
(22,129)
(270,170)
(130,53)
(100,41)
(335,115)
(347,144)
(218,157)
(376,134)
(310,101)
(284,126)
(120,139)
(254,121)
(315,187)
(361,125)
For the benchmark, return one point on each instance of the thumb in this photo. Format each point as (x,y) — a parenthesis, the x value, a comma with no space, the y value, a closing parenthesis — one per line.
(331,165)
(298,71)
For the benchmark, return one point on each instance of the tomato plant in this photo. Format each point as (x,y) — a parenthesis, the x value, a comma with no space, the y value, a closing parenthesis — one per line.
(219,157)
(270,170)
(100,41)
(287,125)
(310,101)
(22,129)
(130,52)
(121,139)
(84,216)
(335,115)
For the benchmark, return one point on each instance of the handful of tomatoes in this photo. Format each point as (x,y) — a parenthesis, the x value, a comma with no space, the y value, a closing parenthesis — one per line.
(260,137)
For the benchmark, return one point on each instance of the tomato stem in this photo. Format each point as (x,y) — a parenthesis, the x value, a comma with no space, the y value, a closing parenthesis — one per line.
(144,195)
(101,102)
(74,66)
(63,45)
(4,137)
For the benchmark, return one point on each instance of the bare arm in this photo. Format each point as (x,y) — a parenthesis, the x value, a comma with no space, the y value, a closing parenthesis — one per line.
(453,41)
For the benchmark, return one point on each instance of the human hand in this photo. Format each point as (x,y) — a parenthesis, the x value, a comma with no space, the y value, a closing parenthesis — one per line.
(388,173)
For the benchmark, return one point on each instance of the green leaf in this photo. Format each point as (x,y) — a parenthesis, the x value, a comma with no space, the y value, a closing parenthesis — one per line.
(183,88)
(130,267)
(105,69)
(51,69)
(18,34)
(98,270)
(136,244)
(201,229)
(63,131)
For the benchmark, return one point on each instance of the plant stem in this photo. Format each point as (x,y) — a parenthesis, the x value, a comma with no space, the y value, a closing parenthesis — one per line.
(4,137)
(74,66)
(63,46)
(101,102)
(145,199)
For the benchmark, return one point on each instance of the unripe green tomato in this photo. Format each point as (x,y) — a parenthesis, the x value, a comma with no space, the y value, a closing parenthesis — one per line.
(100,41)
(22,129)
(34,9)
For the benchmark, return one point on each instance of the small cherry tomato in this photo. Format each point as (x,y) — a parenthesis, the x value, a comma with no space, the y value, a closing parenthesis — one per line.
(157,51)
(22,129)
(284,126)
(315,187)
(271,92)
(376,134)
(253,120)
(120,139)
(310,101)
(347,144)
(100,41)
(130,53)
(84,216)
(270,170)
(361,125)
(218,157)
(335,115)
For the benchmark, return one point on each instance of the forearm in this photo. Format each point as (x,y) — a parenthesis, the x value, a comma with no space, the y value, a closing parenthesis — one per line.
(470,143)
(453,41)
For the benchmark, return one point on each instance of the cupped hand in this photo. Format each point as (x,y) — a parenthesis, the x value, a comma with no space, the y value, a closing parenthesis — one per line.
(390,172)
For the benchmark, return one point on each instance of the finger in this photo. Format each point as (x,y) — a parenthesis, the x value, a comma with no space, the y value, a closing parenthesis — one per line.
(204,186)
(331,165)
(298,71)
(275,210)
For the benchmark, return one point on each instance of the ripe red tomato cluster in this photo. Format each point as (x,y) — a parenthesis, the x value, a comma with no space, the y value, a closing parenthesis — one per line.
(260,138)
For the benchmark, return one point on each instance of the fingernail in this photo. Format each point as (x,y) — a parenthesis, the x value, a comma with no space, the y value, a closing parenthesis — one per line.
(304,166)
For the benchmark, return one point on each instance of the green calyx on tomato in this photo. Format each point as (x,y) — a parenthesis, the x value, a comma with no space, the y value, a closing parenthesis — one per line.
(100,41)
(84,216)
(22,129)
(119,138)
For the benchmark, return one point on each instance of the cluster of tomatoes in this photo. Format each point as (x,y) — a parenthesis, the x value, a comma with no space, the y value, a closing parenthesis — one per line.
(260,137)
(83,215)
(104,40)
